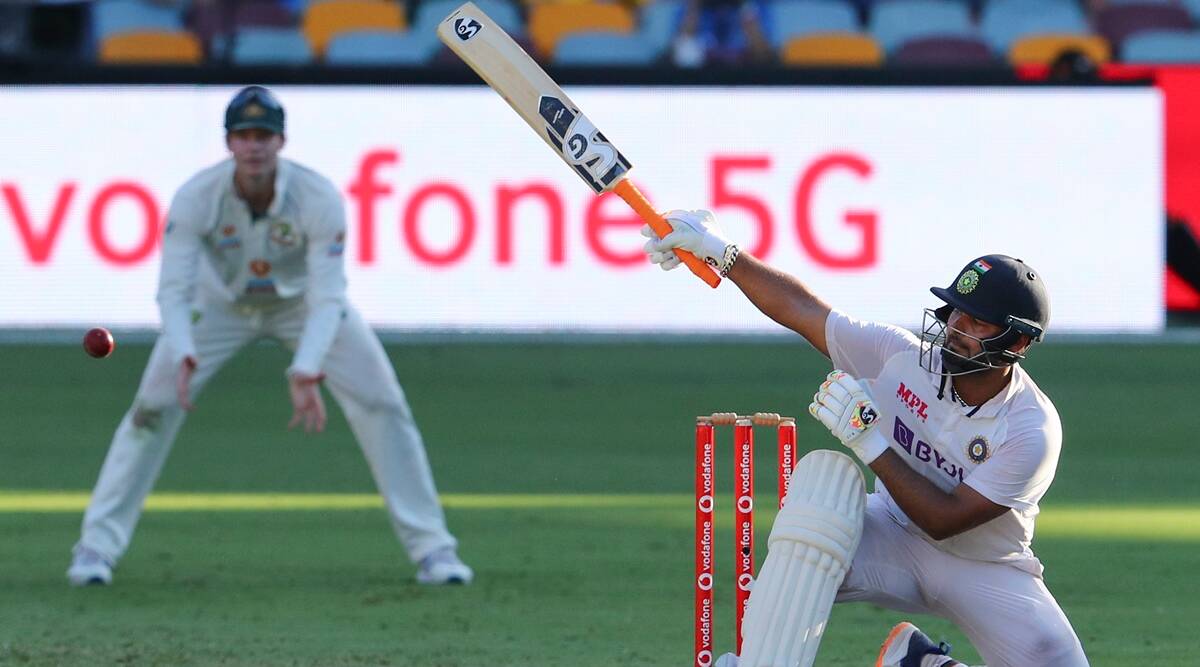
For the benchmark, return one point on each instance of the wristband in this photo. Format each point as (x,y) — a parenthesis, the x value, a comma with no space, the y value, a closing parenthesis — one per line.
(727,261)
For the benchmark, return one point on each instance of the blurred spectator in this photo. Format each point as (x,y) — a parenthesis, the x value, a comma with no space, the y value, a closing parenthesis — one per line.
(58,28)
(723,31)
(14,30)
(1183,251)
(1073,66)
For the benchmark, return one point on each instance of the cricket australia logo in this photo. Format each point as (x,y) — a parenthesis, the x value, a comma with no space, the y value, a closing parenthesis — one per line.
(466,28)
(583,146)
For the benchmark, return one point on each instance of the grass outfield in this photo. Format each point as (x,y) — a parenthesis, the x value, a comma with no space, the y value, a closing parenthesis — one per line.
(565,472)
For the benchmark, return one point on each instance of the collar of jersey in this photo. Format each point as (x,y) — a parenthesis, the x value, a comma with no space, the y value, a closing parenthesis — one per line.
(990,408)
(283,169)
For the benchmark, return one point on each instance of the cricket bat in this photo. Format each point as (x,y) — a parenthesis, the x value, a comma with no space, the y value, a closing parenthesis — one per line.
(505,66)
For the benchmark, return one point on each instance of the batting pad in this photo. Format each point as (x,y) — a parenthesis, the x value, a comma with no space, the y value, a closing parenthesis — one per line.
(810,549)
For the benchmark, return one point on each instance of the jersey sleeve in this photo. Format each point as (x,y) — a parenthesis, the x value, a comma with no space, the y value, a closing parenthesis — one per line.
(862,348)
(1022,468)
(326,292)
(182,245)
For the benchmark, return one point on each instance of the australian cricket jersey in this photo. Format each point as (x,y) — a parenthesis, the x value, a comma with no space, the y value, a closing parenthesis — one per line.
(213,242)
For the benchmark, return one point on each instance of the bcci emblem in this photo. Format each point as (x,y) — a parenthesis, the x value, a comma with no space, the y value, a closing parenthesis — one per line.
(978,450)
(967,282)
(466,28)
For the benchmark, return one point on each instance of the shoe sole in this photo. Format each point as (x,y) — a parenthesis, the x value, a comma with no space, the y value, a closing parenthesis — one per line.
(900,627)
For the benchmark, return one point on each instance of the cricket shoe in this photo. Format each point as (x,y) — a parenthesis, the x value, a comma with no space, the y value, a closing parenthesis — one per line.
(906,646)
(89,568)
(727,660)
(443,567)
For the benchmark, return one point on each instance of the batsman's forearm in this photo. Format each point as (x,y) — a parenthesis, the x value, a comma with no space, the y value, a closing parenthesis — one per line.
(932,509)
(782,298)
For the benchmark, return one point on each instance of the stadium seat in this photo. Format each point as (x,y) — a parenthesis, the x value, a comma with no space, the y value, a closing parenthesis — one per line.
(271,46)
(151,47)
(429,14)
(590,49)
(943,52)
(110,17)
(1119,22)
(327,19)
(382,48)
(659,22)
(796,18)
(263,13)
(1193,7)
(1004,21)
(549,23)
(215,22)
(1043,49)
(1166,47)
(894,23)
(832,50)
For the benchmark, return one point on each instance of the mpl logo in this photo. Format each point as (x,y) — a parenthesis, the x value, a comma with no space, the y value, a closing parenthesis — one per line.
(915,404)
(466,28)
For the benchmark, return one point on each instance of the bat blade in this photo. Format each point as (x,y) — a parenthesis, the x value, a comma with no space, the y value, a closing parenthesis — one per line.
(536,98)
(483,45)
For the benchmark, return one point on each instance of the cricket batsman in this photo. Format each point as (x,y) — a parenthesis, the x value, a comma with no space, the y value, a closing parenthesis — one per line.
(963,445)
(253,248)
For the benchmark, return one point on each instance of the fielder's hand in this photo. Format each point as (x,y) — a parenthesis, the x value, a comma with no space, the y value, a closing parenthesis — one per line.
(307,405)
(696,232)
(183,379)
(844,408)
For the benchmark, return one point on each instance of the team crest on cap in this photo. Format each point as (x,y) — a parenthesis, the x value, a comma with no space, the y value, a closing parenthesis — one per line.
(253,111)
(967,282)
(978,449)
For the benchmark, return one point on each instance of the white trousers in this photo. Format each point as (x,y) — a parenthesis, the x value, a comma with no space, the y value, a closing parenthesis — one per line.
(358,374)
(1008,614)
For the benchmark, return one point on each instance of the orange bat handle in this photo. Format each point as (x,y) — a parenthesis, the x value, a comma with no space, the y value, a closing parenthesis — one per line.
(637,201)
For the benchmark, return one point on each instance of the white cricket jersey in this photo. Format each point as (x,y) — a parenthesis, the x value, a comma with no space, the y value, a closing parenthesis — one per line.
(212,241)
(1007,449)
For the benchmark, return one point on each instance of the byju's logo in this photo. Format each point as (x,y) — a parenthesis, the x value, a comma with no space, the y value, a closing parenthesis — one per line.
(466,28)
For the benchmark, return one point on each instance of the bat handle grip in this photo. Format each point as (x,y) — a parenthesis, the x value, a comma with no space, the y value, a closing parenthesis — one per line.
(638,202)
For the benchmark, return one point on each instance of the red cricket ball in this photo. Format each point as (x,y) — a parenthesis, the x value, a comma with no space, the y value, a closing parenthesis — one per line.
(98,342)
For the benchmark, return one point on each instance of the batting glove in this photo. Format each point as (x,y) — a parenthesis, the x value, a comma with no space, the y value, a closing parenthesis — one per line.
(694,231)
(844,408)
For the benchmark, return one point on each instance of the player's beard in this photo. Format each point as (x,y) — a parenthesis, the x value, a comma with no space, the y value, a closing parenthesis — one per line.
(956,364)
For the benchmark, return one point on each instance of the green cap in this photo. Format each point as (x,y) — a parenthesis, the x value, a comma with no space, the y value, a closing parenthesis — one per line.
(254,106)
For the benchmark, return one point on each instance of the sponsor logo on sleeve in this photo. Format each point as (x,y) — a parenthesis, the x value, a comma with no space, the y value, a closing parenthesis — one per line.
(338,246)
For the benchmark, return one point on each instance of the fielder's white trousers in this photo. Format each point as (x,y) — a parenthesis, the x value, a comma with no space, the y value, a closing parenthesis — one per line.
(1008,614)
(358,374)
